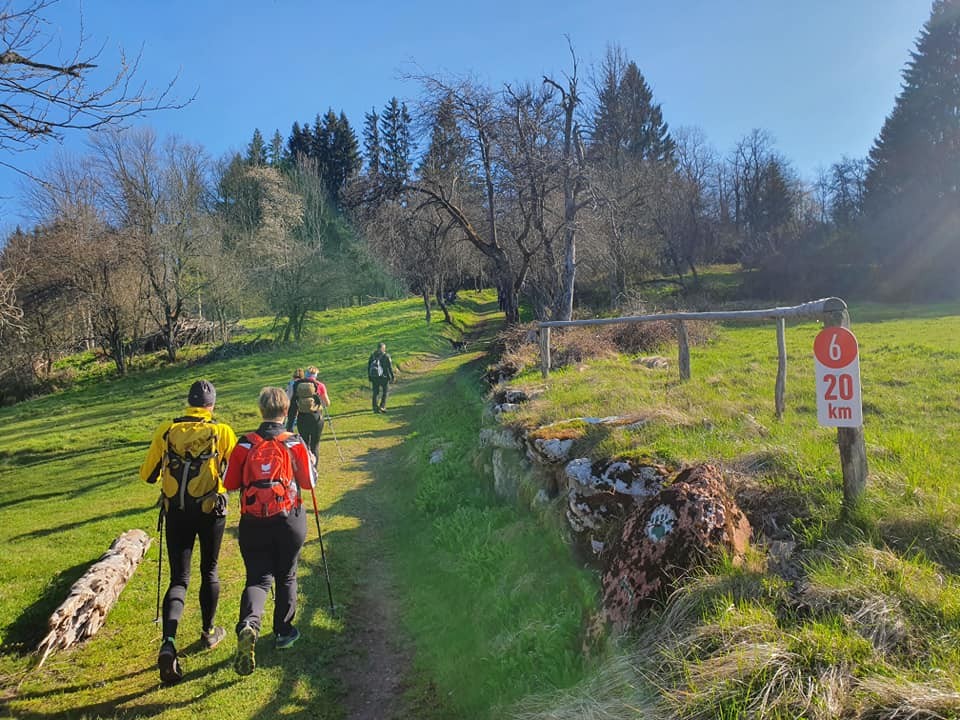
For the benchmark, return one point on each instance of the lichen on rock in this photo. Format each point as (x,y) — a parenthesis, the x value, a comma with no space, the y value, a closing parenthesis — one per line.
(667,535)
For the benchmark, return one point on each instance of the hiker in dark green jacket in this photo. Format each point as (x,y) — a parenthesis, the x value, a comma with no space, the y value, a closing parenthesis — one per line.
(380,373)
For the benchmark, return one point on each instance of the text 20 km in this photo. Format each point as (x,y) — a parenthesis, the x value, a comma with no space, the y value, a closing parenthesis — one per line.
(839,387)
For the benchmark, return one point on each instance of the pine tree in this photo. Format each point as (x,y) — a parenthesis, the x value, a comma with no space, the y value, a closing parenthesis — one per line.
(913,179)
(627,124)
(395,163)
(371,142)
(344,155)
(448,150)
(320,141)
(299,142)
(275,155)
(256,150)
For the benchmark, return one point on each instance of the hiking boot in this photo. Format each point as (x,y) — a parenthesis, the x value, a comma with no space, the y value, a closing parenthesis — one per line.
(245,661)
(287,641)
(211,638)
(169,665)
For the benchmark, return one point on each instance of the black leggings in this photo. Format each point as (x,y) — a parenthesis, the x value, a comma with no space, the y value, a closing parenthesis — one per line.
(310,426)
(183,528)
(271,549)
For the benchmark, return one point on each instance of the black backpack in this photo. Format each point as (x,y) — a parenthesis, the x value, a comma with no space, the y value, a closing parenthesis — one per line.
(375,368)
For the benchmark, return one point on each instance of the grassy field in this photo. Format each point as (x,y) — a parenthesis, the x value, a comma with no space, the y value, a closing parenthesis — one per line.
(490,607)
(68,486)
(867,622)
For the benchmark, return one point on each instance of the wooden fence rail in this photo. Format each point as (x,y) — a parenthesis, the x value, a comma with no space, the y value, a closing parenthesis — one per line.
(832,311)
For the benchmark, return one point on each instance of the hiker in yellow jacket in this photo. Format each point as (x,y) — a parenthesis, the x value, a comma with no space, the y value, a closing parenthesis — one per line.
(188,455)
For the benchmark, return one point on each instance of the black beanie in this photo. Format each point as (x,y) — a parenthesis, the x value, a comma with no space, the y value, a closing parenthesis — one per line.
(202,393)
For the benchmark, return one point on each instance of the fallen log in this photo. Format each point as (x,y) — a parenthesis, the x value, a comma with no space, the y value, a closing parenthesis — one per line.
(85,610)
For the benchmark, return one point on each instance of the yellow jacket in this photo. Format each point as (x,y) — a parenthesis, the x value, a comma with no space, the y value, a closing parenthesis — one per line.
(153,465)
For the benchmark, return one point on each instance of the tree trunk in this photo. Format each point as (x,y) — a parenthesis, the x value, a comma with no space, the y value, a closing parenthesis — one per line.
(170,339)
(443,306)
(508,298)
(91,597)
(426,303)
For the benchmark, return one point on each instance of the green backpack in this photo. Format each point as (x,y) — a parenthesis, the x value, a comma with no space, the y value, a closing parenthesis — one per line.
(191,473)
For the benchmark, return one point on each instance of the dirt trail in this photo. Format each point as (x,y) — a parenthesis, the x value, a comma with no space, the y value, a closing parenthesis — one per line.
(374,678)
(376,671)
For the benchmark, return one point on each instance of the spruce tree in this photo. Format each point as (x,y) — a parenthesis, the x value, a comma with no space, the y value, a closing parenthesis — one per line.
(395,163)
(449,150)
(300,141)
(256,150)
(371,142)
(913,179)
(275,154)
(627,123)
(344,154)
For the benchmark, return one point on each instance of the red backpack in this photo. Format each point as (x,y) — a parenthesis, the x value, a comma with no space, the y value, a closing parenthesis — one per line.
(269,486)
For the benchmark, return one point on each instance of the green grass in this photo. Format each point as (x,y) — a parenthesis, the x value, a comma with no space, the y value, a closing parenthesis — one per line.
(493,608)
(466,573)
(874,625)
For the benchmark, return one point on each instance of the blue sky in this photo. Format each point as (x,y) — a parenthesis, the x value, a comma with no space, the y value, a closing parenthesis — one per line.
(819,75)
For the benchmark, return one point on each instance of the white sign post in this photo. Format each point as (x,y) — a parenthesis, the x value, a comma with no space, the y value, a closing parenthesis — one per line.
(837,362)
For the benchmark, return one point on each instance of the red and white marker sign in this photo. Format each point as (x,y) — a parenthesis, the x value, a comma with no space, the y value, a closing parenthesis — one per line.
(837,362)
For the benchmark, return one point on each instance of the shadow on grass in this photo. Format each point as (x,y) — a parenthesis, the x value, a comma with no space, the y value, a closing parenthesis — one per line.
(931,537)
(114,708)
(63,527)
(30,458)
(109,478)
(24,634)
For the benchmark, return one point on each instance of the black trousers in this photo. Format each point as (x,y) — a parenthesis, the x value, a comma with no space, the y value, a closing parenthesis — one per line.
(183,529)
(270,549)
(380,386)
(310,425)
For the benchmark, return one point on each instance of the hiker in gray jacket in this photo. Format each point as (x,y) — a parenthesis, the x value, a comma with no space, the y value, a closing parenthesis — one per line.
(380,374)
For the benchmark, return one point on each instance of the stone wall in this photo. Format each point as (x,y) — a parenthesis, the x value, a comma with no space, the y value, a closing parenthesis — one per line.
(607,507)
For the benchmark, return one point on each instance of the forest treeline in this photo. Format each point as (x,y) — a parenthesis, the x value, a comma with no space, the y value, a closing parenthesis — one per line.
(565,191)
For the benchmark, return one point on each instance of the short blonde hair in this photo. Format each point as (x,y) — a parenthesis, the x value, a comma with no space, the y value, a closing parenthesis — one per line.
(273,403)
(312,370)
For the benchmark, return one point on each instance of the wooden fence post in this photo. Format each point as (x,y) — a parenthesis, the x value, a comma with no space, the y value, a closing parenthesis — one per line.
(853,449)
(781,387)
(683,359)
(545,352)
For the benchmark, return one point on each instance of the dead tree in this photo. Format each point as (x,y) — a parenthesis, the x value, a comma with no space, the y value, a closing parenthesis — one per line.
(84,612)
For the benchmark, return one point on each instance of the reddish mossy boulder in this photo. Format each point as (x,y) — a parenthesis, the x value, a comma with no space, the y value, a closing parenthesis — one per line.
(692,519)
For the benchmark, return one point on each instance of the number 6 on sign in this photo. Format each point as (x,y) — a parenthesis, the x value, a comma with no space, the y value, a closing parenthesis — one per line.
(837,363)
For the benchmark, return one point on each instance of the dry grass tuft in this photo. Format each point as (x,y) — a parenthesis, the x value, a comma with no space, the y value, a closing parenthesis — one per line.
(896,699)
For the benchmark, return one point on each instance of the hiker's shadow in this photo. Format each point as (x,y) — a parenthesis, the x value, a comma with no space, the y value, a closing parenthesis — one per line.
(115,707)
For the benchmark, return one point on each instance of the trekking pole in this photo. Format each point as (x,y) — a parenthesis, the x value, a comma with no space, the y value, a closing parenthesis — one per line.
(323,554)
(334,433)
(156,619)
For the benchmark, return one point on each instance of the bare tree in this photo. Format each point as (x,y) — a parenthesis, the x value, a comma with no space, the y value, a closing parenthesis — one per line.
(573,182)
(162,199)
(11,314)
(83,270)
(477,111)
(45,91)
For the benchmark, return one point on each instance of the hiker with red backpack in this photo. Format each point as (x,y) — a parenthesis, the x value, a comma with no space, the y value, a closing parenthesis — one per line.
(270,467)
(188,456)
(307,403)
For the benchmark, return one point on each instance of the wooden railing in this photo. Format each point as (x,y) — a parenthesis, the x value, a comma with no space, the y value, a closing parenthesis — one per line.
(832,311)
